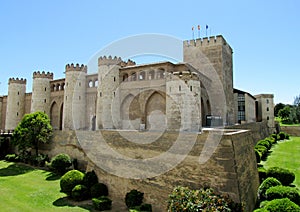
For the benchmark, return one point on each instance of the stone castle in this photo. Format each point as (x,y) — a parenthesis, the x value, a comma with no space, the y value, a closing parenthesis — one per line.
(185,96)
(141,101)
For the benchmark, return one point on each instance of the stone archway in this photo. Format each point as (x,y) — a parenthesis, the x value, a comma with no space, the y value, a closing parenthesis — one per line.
(155,112)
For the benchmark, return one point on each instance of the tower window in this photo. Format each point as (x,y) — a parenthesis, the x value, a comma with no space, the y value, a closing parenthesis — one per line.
(18,103)
(179,87)
(268,118)
(66,97)
(114,79)
(17,113)
(267,108)
(100,94)
(80,84)
(45,89)
(18,93)
(267,101)
(79,97)
(191,88)
(114,94)
(45,100)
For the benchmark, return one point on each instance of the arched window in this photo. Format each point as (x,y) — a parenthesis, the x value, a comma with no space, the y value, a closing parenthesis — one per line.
(133,76)
(90,84)
(142,75)
(151,75)
(125,77)
(161,74)
(96,83)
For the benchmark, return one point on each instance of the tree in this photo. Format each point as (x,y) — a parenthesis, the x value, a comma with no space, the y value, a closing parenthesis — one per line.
(297,108)
(285,113)
(278,107)
(33,129)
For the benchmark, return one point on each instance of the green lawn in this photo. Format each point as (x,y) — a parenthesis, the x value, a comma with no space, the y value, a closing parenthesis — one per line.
(24,188)
(286,154)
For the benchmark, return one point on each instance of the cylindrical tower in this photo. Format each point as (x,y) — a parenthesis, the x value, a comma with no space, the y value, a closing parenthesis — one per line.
(108,101)
(74,109)
(15,102)
(183,103)
(41,92)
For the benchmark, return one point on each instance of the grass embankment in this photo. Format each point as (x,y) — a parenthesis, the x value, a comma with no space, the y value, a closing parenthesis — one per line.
(24,188)
(285,154)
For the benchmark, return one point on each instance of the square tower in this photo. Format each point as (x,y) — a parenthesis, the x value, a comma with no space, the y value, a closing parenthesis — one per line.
(213,57)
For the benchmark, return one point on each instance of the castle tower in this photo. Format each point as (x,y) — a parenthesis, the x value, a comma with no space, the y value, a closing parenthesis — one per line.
(15,102)
(265,109)
(213,58)
(183,103)
(74,108)
(41,92)
(108,100)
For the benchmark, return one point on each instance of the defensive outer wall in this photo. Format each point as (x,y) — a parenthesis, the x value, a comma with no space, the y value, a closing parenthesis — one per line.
(231,169)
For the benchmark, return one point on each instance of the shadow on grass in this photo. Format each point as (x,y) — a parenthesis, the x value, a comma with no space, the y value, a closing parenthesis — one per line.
(15,169)
(51,176)
(66,202)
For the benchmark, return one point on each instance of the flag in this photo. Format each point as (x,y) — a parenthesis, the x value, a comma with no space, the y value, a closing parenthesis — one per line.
(206,26)
(193,28)
(198,27)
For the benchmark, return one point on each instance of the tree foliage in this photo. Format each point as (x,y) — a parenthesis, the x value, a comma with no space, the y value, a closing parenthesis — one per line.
(33,129)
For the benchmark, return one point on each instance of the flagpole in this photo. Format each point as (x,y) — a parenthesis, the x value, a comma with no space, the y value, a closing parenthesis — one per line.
(198,31)
(206,30)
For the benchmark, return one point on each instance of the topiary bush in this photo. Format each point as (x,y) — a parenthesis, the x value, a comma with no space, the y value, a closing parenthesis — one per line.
(69,180)
(102,203)
(264,143)
(134,198)
(60,163)
(275,136)
(98,190)
(279,192)
(285,176)
(281,136)
(282,205)
(287,136)
(265,185)
(90,179)
(271,140)
(80,192)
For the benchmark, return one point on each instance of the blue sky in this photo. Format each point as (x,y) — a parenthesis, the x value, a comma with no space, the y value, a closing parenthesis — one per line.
(46,35)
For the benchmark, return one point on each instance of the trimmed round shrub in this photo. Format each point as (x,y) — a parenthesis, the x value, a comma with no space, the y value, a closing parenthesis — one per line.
(265,185)
(102,203)
(285,176)
(134,198)
(287,136)
(69,180)
(61,162)
(275,136)
(90,179)
(264,143)
(80,192)
(257,155)
(281,136)
(98,190)
(262,149)
(279,192)
(271,140)
(282,205)
(146,207)
(262,173)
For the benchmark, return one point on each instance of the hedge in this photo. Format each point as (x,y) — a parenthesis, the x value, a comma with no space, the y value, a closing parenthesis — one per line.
(265,185)
(279,192)
(282,205)
(285,176)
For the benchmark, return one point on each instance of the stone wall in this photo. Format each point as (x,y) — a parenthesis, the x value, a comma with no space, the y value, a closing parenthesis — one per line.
(291,130)
(231,168)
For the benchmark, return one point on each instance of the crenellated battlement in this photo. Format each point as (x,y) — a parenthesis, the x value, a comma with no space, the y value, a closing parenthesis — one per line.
(128,63)
(77,67)
(186,75)
(207,41)
(38,74)
(17,80)
(109,60)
